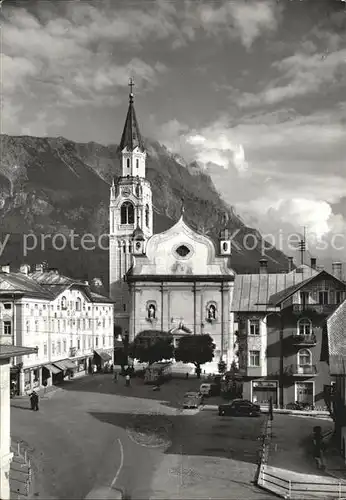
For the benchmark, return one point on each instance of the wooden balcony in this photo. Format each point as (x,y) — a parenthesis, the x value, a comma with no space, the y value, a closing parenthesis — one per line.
(301,370)
(304,340)
(315,308)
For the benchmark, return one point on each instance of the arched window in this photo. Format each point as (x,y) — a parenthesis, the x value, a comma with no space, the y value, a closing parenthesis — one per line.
(304,357)
(151,311)
(78,304)
(127,213)
(128,162)
(63,303)
(304,327)
(147,215)
(137,163)
(211,312)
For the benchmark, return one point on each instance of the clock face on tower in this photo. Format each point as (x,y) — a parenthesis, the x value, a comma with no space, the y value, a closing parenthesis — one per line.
(126,191)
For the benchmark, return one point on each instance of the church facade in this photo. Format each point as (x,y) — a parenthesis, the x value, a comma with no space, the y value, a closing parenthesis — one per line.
(177,281)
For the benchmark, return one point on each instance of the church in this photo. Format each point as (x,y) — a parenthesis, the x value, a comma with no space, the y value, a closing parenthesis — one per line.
(176,281)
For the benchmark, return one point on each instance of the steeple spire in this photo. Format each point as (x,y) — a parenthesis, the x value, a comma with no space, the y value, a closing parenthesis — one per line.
(131,137)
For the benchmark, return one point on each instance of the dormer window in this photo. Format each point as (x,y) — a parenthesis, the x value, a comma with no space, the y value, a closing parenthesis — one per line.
(137,163)
(128,162)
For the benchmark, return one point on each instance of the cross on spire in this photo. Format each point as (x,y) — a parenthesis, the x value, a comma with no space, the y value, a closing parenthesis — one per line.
(131,85)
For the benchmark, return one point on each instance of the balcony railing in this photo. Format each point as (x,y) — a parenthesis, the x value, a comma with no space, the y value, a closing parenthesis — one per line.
(301,370)
(316,308)
(306,340)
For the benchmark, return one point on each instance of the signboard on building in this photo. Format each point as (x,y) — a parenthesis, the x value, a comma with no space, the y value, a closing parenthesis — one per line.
(264,384)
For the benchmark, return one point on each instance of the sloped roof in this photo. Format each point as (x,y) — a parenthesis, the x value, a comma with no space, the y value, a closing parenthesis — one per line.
(56,283)
(131,136)
(96,297)
(336,332)
(10,351)
(21,284)
(258,292)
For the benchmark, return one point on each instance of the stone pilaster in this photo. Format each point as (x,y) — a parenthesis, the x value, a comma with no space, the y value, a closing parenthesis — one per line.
(165,317)
(5,434)
(198,310)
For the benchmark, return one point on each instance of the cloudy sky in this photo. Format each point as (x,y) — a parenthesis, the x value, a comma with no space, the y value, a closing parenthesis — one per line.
(252,90)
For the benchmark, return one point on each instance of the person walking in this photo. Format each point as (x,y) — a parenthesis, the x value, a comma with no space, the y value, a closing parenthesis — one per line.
(34,399)
(115,377)
(319,447)
(127,380)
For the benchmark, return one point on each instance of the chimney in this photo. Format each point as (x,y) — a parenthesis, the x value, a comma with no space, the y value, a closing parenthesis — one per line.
(6,268)
(263,266)
(337,270)
(290,264)
(313,263)
(39,268)
(25,269)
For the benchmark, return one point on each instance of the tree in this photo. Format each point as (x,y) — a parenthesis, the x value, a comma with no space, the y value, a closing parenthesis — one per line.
(150,346)
(196,349)
(232,386)
(222,367)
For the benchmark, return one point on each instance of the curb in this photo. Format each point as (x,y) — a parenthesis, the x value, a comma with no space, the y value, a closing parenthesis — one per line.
(299,413)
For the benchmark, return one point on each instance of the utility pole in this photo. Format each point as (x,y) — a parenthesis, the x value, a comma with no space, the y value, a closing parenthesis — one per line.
(281,376)
(302,247)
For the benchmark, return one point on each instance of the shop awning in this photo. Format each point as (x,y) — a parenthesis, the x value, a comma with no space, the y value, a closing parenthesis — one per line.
(103,355)
(65,364)
(53,369)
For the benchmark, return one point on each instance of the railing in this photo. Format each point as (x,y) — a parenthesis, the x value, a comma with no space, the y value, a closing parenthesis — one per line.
(271,479)
(299,339)
(300,370)
(317,308)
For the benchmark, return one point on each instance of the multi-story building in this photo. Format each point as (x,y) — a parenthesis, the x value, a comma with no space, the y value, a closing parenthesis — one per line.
(280,323)
(336,355)
(72,326)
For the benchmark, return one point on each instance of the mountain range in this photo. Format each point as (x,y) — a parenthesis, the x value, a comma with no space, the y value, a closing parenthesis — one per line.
(54,185)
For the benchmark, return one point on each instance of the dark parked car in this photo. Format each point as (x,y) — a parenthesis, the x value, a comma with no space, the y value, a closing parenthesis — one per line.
(240,407)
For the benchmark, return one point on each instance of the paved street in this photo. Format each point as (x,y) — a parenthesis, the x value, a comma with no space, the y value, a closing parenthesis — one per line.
(87,437)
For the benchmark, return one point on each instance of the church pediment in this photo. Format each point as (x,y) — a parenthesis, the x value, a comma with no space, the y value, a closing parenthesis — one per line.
(181,329)
(181,251)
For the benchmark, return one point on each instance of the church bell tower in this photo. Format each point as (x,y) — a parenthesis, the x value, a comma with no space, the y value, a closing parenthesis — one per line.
(130,213)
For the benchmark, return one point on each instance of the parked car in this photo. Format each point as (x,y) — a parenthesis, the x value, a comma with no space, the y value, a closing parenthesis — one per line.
(192,400)
(209,389)
(240,407)
(303,406)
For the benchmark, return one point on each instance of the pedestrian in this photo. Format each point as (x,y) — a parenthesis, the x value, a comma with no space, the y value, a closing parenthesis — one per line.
(127,380)
(34,401)
(187,375)
(319,447)
(115,377)
(94,369)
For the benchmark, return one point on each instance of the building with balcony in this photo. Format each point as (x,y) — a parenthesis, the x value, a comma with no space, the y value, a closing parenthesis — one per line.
(280,321)
(71,326)
(336,356)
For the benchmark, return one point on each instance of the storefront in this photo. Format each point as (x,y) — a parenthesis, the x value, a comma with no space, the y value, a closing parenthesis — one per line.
(67,366)
(263,390)
(102,358)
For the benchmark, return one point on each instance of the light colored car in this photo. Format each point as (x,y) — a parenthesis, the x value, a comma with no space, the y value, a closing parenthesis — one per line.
(192,400)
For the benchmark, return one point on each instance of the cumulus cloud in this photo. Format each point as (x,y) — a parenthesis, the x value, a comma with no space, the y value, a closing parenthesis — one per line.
(299,74)
(43,125)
